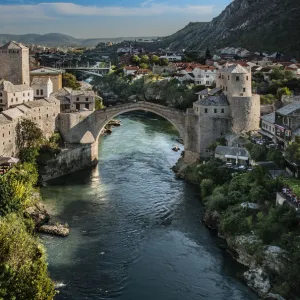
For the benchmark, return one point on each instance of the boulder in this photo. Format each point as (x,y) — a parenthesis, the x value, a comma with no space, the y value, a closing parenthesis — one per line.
(258,280)
(56,229)
(274,258)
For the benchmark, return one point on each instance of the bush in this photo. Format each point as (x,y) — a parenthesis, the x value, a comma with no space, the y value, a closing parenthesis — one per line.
(23,268)
(207,187)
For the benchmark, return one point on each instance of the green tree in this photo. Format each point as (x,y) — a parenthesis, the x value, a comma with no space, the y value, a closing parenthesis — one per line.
(145,59)
(207,187)
(135,59)
(155,59)
(23,267)
(292,152)
(284,91)
(143,66)
(267,99)
(164,62)
(69,80)
(29,135)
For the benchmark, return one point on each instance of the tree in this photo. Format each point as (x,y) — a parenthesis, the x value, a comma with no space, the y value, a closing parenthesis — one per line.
(292,152)
(145,59)
(135,59)
(69,80)
(164,62)
(207,54)
(143,66)
(23,267)
(29,135)
(207,187)
(155,59)
(283,91)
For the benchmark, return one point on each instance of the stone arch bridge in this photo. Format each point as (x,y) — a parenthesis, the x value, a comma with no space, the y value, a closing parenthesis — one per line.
(85,127)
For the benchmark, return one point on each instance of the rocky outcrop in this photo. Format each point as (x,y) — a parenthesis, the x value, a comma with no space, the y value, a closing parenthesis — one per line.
(38,214)
(258,279)
(211,220)
(245,24)
(56,229)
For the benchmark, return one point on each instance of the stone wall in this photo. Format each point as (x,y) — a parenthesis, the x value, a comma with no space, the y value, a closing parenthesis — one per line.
(69,161)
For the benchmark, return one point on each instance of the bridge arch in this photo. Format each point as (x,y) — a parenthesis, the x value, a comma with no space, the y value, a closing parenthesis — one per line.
(175,119)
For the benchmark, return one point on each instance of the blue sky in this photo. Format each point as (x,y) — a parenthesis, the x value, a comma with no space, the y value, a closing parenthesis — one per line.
(105,18)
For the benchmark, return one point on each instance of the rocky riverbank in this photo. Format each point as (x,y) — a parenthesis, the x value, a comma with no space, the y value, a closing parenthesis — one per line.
(264,262)
(108,127)
(41,218)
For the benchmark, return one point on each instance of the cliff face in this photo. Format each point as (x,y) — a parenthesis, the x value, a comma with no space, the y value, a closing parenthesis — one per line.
(261,25)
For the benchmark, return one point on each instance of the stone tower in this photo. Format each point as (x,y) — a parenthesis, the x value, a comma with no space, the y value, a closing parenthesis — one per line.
(235,81)
(14,63)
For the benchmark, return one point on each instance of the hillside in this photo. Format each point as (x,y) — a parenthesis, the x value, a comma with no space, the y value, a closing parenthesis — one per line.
(261,25)
(57,39)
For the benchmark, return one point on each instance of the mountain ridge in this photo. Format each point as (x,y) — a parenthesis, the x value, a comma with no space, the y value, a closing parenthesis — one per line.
(258,25)
(58,39)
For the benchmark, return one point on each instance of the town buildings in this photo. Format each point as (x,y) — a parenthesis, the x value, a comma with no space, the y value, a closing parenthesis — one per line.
(14,63)
(43,112)
(12,95)
(282,126)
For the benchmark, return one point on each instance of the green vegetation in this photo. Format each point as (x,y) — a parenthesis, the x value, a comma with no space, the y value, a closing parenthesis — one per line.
(23,267)
(223,193)
(69,80)
(292,152)
(149,88)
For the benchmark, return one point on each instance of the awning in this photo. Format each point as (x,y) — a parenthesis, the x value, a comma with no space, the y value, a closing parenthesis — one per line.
(236,157)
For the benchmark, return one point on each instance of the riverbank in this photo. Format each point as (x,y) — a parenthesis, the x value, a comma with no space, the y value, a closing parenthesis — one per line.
(250,232)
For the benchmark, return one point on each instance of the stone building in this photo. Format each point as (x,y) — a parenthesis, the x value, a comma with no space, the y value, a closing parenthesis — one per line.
(228,108)
(14,63)
(42,87)
(283,126)
(11,95)
(54,74)
(75,100)
(43,112)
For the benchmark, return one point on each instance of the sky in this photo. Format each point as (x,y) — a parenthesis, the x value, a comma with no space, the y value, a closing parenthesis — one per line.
(105,18)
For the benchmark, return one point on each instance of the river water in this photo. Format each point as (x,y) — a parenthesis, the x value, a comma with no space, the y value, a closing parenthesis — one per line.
(136,231)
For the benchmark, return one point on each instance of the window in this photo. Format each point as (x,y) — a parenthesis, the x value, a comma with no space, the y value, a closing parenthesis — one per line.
(23,94)
(207,82)
(37,92)
(14,94)
(78,106)
(86,99)
(0,94)
(17,99)
(42,92)
(77,99)
(205,110)
(244,90)
(87,106)
(228,77)
(237,78)
(226,88)
(222,111)
(28,94)
(247,77)
(215,110)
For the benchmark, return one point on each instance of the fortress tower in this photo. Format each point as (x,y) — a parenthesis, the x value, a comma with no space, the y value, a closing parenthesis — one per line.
(236,83)
(14,63)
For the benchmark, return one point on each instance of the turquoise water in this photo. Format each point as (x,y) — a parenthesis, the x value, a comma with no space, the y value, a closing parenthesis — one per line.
(136,231)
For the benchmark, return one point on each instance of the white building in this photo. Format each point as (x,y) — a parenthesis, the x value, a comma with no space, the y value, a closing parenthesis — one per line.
(42,87)
(172,57)
(11,95)
(130,70)
(268,125)
(205,75)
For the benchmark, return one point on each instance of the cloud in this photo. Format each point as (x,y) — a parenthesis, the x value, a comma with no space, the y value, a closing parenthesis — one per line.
(52,10)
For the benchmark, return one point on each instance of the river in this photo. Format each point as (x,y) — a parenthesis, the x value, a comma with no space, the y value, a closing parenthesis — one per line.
(136,231)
